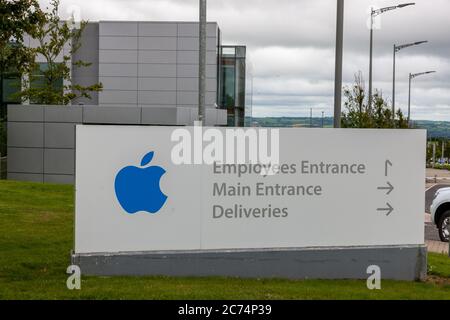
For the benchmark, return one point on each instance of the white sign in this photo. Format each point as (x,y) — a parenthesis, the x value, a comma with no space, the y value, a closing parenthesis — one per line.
(325,188)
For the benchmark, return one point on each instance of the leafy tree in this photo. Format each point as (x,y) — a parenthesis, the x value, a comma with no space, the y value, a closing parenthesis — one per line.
(18,18)
(53,84)
(359,115)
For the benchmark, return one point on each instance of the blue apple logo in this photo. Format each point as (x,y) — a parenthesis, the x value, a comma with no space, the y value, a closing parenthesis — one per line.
(138,189)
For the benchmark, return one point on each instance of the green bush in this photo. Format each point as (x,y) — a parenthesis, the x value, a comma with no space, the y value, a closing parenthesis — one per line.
(442,166)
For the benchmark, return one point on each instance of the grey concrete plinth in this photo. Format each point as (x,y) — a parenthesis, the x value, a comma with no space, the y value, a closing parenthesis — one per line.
(396,263)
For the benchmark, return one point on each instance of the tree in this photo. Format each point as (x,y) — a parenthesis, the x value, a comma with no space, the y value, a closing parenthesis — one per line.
(17,19)
(359,115)
(53,84)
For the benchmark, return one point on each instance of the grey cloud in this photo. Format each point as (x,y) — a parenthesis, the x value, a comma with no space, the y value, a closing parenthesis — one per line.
(291,46)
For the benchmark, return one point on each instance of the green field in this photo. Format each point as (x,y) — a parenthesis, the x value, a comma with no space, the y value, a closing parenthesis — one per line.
(36,236)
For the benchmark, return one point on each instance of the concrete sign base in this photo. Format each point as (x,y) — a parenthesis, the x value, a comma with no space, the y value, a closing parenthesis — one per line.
(395,262)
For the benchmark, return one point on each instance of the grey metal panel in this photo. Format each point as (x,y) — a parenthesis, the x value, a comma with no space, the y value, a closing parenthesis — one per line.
(191,57)
(118,70)
(187,97)
(211,85)
(222,117)
(118,28)
(157,97)
(157,43)
(111,115)
(194,114)
(25,113)
(191,71)
(29,177)
(86,81)
(117,96)
(210,117)
(193,44)
(158,84)
(211,98)
(183,116)
(191,84)
(88,52)
(158,29)
(118,105)
(59,178)
(59,161)
(192,30)
(118,83)
(25,134)
(191,97)
(158,70)
(159,116)
(397,263)
(25,160)
(157,56)
(122,43)
(63,114)
(59,135)
(118,56)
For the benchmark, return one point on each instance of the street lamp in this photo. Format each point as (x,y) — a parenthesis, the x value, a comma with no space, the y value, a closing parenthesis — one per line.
(338,63)
(373,14)
(397,49)
(413,76)
(202,63)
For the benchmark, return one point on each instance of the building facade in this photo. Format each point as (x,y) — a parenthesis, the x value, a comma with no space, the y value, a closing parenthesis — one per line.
(149,72)
(155,65)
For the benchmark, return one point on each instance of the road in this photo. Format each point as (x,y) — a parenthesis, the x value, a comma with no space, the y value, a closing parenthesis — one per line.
(430,229)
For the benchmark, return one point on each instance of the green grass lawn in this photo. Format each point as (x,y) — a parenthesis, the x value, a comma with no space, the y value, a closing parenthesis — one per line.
(36,236)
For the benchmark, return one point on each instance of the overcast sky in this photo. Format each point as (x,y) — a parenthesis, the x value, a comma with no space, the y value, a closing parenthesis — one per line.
(291,47)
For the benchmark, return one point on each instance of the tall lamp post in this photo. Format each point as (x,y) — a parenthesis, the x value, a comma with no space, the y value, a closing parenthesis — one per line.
(373,14)
(397,49)
(202,63)
(411,77)
(338,63)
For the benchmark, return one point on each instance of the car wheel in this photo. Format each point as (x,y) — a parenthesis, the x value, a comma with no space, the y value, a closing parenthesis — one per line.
(444,227)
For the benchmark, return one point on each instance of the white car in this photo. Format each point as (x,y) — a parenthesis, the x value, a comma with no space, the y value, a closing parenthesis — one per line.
(440,212)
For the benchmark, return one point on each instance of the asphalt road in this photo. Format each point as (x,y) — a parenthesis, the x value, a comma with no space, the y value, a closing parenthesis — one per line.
(430,229)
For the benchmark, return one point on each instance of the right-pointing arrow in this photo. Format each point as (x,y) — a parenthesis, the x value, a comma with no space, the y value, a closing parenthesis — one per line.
(389,188)
(389,209)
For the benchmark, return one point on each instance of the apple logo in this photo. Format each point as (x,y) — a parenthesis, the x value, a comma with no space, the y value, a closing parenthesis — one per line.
(138,189)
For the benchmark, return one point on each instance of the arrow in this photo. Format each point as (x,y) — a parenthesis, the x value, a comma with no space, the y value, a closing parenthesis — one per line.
(390,188)
(389,209)
(387,164)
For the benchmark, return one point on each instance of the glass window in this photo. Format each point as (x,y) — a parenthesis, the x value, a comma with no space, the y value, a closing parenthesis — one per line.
(232,77)
(228,83)
(11,87)
(39,81)
(229,51)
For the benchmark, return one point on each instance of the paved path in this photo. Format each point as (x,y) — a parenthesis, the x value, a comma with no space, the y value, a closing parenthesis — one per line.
(437,246)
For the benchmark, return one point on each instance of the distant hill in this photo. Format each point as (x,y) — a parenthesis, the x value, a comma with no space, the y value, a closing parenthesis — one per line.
(436,129)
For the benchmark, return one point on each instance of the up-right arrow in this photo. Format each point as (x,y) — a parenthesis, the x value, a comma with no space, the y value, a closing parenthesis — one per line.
(387,164)
(389,209)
